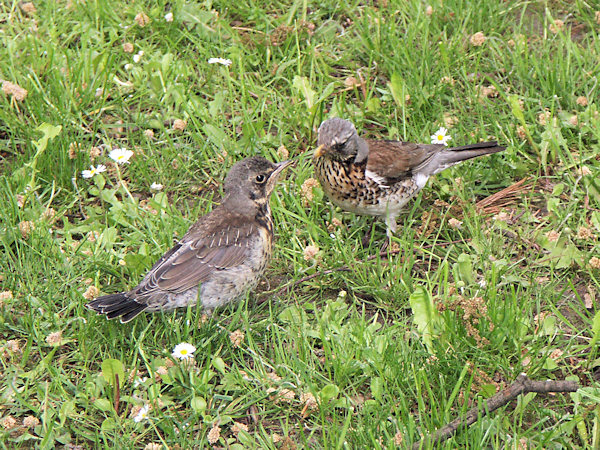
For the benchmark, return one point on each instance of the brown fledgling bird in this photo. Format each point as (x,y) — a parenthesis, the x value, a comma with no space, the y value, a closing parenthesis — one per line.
(378,177)
(222,255)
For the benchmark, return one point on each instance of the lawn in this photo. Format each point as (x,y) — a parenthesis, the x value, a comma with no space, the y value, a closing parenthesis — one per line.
(494,270)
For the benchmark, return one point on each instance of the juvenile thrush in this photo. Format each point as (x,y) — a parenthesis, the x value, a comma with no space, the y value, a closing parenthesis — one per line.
(378,177)
(221,256)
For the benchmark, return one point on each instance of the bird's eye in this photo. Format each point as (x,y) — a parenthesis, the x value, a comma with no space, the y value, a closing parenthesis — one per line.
(260,178)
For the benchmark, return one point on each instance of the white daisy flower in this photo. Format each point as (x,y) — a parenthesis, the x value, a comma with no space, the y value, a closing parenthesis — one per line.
(222,61)
(169,17)
(139,381)
(142,414)
(440,137)
(93,171)
(128,66)
(183,350)
(120,155)
(156,186)
(138,56)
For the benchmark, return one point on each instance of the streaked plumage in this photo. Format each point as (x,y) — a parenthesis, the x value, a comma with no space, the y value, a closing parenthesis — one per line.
(378,177)
(222,255)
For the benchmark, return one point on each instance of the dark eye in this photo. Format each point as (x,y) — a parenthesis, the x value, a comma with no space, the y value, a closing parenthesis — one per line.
(339,145)
(260,178)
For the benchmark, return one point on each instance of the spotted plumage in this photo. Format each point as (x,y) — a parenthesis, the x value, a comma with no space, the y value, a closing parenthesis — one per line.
(378,177)
(222,255)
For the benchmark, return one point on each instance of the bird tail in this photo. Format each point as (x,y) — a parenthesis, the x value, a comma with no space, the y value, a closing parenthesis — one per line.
(117,305)
(453,155)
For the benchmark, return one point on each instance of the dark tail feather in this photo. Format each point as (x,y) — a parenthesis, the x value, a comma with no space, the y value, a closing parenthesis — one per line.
(116,305)
(453,155)
(485,147)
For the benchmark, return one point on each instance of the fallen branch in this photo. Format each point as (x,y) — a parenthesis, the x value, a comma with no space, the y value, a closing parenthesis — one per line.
(522,385)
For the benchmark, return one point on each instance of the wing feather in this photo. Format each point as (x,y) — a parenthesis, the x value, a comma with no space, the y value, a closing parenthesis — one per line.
(397,160)
(197,256)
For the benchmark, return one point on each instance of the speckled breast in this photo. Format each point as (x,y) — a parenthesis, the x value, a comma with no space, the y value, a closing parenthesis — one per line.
(347,187)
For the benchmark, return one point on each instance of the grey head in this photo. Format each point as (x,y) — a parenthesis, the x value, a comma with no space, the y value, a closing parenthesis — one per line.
(337,139)
(250,182)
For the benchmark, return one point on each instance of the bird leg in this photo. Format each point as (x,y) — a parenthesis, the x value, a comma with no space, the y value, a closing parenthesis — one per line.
(390,222)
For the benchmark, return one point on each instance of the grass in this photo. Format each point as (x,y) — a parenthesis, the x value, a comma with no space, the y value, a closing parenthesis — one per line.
(346,359)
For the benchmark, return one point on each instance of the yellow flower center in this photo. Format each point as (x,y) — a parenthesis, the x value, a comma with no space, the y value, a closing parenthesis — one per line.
(184,352)
(440,137)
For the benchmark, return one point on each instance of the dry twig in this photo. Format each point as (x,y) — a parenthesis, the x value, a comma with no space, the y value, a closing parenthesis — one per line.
(501,199)
(522,385)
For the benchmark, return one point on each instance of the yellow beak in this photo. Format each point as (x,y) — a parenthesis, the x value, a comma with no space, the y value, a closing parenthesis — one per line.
(319,151)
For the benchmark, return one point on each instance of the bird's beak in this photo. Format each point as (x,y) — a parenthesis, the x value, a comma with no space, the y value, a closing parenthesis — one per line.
(272,181)
(319,151)
(280,167)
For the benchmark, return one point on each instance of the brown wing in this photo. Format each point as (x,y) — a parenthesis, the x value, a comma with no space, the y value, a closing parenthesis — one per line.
(395,159)
(206,248)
